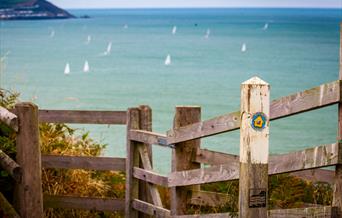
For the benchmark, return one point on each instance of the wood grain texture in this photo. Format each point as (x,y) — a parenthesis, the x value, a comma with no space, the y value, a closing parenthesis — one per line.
(182,157)
(82,162)
(150,209)
(337,195)
(132,160)
(311,99)
(316,175)
(9,118)
(86,117)
(150,176)
(10,166)
(211,215)
(86,203)
(145,124)
(29,195)
(7,208)
(206,156)
(148,137)
(216,173)
(147,164)
(322,212)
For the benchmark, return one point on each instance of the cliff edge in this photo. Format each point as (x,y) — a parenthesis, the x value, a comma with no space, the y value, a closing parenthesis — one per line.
(31,10)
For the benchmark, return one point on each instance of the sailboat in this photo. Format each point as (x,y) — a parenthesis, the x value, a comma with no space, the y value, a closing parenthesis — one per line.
(109,49)
(174,30)
(243,47)
(265,26)
(86,67)
(52,33)
(125,26)
(67,69)
(167,60)
(88,40)
(207,34)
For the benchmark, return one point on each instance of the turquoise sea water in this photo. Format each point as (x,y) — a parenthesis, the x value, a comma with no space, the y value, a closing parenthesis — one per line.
(299,50)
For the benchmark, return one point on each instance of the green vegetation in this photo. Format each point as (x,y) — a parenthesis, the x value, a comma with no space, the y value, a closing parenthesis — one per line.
(285,191)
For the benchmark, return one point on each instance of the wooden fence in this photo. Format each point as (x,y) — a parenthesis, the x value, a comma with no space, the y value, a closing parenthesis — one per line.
(252,167)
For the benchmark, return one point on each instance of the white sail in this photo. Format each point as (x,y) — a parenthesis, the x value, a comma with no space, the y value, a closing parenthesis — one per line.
(125,26)
(174,30)
(265,26)
(167,60)
(88,39)
(52,33)
(243,47)
(207,34)
(86,67)
(67,69)
(109,49)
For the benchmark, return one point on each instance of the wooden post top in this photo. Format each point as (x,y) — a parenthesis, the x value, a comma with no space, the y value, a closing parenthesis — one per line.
(255,81)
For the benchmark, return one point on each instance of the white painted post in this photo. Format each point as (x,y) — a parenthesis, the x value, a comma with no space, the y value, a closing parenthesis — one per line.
(254,144)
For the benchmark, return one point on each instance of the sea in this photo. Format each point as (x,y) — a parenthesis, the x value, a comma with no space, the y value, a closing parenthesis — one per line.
(127,49)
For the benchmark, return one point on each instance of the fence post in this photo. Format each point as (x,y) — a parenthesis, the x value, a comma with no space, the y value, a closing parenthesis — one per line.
(337,195)
(182,157)
(29,197)
(145,124)
(254,143)
(132,160)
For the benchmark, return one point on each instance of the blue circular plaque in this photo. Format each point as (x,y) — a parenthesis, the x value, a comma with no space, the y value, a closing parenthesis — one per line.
(258,121)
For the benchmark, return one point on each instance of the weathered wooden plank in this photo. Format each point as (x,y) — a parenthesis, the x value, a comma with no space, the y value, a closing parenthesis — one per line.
(182,157)
(147,164)
(87,117)
(337,194)
(82,162)
(254,148)
(321,212)
(224,123)
(311,158)
(320,156)
(132,160)
(317,97)
(9,118)
(86,203)
(29,195)
(148,137)
(150,209)
(211,215)
(212,199)
(311,99)
(145,124)
(10,166)
(224,172)
(150,176)
(7,208)
(326,211)
(206,156)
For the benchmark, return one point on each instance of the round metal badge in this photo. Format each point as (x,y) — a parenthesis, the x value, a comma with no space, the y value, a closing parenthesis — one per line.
(258,121)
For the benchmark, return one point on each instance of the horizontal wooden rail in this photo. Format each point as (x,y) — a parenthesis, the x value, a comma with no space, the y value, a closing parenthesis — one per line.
(150,176)
(82,162)
(150,209)
(86,203)
(316,175)
(9,119)
(85,117)
(311,158)
(326,211)
(148,137)
(206,156)
(10,166)
(317,97)
(7,208)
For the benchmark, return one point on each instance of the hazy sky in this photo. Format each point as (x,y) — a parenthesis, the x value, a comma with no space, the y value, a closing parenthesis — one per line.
(196,3)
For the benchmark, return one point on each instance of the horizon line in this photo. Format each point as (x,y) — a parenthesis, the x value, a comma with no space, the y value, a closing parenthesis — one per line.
(204,7)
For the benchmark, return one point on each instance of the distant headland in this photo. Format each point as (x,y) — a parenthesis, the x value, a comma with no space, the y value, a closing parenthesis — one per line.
(31,10)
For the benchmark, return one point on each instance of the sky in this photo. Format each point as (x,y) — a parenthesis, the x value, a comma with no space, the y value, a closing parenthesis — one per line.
(197,3)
